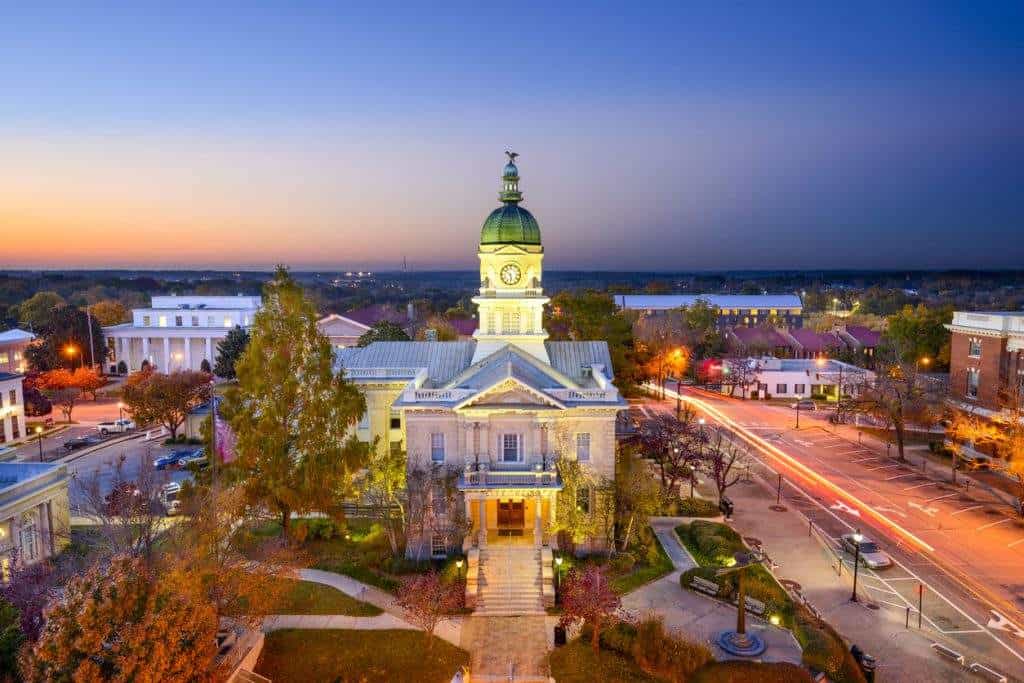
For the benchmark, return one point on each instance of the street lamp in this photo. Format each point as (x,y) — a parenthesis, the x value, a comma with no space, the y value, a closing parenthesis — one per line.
(120,411)
(857,538)
(458,565)
(71,350)
(39,438)
(925,361)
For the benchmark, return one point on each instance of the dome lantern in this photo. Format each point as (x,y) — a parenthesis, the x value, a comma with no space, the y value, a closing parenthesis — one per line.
(510,223)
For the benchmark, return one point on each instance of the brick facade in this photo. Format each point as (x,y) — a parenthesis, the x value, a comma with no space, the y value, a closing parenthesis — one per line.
(994,366)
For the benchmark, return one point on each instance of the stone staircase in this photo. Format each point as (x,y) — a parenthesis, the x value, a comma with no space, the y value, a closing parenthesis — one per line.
(510,581)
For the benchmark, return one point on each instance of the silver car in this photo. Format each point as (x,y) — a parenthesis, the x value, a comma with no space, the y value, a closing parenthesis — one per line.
(871,555)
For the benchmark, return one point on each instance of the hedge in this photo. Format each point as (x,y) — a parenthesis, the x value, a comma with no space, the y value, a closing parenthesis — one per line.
(735,671)
(692,507)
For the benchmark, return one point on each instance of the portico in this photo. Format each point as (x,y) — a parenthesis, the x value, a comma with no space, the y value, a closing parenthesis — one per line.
(511,515)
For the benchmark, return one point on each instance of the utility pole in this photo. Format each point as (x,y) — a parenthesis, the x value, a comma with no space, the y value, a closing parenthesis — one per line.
(92,358)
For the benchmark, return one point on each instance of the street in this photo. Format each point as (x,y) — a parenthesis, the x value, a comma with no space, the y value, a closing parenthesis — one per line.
(963,549)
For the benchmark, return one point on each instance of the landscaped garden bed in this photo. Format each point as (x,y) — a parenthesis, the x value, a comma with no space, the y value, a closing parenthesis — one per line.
(643,562)
(315,656)
(308,597)
(713,546)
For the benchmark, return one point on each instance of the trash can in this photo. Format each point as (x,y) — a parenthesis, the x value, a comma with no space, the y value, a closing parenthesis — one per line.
(725,506)
(867,665)
(559,636)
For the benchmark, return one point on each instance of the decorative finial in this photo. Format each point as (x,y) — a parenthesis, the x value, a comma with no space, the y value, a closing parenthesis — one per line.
(511,156)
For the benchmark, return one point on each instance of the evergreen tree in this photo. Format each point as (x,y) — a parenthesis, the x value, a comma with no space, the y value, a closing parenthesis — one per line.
(383,330)
(291,414)
(229,350)
(11,638)
(64,327)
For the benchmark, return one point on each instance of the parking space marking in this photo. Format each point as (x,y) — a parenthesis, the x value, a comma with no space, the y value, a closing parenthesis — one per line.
(968,630)
(864,459)
(917,486)
(900,476)
(883,467)
(1017,542)
(973,507)
(855,450)
(948,495)
(1004,520)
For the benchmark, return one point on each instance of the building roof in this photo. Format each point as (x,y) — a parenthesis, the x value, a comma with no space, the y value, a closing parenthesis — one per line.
(816,341)
(864,335)
(7,376)
(443,360)
(768,337)
(16,335)
(510,224)
(570,357)
(658,302)
(818,365)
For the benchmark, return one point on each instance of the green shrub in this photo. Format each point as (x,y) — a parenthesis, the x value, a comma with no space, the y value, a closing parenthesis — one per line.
(693,507)
(619,638)
(665,654)
(824,650)
(736,671)
(623,562)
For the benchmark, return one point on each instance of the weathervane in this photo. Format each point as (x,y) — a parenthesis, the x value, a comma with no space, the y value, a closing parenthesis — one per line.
(511,156)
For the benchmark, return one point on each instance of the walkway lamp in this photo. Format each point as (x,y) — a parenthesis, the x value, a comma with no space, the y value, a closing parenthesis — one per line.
(857,538)
(458,566)
(39,438)
(558,579)
(739,642)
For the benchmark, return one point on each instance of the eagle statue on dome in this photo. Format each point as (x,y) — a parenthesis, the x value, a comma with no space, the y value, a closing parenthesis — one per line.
(511,156)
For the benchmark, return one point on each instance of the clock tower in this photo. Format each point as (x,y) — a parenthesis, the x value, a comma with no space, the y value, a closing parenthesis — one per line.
(510,305)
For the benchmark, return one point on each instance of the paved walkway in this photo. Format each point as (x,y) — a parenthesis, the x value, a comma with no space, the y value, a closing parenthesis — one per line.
(696,616)
(500,646)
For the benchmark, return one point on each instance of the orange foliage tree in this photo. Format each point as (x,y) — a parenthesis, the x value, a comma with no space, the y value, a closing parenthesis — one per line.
(60,387)
(165,399)
(88,380)
(120,622)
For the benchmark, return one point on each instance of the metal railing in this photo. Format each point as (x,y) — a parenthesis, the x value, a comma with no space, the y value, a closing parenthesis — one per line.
(535,474)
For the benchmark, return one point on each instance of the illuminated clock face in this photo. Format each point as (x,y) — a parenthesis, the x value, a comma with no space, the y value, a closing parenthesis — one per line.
(510,274)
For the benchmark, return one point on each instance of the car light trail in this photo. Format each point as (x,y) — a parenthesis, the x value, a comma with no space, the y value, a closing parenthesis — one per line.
(799,468)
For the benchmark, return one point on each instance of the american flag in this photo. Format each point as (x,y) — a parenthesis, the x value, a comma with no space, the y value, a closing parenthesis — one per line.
(225,438)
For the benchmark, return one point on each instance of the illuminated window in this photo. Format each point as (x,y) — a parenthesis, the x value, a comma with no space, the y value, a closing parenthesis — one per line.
(145,321)
(773,311)
(753,311)
(437,447)
(163,321)
(583,447)
(974,348)
(583,500)
(227,321)
(973,380)
(4,358)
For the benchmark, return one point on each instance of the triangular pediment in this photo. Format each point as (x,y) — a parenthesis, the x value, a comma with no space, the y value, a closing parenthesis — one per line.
(510,392)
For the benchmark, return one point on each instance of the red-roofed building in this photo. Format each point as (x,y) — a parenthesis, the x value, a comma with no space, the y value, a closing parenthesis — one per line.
(863,340)
(760,341)
(811,344)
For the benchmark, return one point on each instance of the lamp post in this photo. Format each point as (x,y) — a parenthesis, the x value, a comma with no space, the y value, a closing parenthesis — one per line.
(739,642)
(458,566)
(857,538)
(71,350)
(39,438)
(798,413)
(558,579)
(120,411)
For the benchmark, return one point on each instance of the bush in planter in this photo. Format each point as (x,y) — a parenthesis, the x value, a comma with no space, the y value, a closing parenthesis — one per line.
(824,650)
(736,671)
(665,654)
(695,507)
(619,638)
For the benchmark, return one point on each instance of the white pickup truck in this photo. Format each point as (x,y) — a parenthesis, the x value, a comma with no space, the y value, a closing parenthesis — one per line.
(115,426)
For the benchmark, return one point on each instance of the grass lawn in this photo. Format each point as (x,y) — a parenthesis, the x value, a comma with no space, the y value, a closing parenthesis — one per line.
(576,662)
(307,597)
(312,656)
(643,573)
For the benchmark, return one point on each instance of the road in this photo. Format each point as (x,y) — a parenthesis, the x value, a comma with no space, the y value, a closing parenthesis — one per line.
(964,548)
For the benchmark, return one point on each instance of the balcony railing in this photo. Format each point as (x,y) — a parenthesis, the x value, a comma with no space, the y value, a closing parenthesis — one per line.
(585,395)
(493,475)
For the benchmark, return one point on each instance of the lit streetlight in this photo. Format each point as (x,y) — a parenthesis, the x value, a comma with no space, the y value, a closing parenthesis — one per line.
(558,579)
(458,565)
(70,350)
(857,538)
(120,410)
(39,438)
(739,642)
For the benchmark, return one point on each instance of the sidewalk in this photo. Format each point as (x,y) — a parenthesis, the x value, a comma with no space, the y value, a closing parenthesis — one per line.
(902,654)
(698,617)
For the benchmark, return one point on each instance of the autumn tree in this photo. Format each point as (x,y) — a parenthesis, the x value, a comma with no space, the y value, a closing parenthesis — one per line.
(433,507)
(229,350)
(637,495)
(165,399)
(122,622)
(673,444)
(437,328)
(587,596)
(63,328)
(290,413)
(36,311)
(898,395)
(919,332)
(383,330)
(965,429)
(59,386)
(110,312)
(88,380)
(740,373)
(428,600)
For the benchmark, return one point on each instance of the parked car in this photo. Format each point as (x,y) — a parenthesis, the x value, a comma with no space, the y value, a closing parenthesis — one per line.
(169,459)
(976,462)
(871,555)
(804,404)
(116,426)
(169,496)
(82,442)
(196,457)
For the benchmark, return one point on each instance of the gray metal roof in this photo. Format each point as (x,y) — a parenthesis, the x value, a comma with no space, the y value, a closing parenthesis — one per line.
(570,357)
(443,360)
(657,302)
(5,376)
(509,362)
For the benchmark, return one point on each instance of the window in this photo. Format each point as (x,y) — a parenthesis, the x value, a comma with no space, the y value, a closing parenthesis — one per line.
(781,389)
(364,421)
(195,321)
(437,548)
(177,321)
(799,388)
(163,321)
(3,431)
(227,321)
(440,500)
(28,541)
(753,311)
(510,322)
(4,358)
(209,321)
(17,355)
(396,447)
(974,348)
(583,500)
(583,447)
(973,380)
(146,321)
(510,448)
(13,398)
(437,447)
(396,422)
(15,431)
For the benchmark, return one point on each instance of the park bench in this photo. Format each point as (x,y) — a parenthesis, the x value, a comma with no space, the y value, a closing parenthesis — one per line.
(754,605)
(949,653)
(988,674)
(704,586)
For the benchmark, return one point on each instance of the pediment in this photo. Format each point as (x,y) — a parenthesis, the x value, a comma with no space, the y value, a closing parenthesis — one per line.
(510,392)
(339,326)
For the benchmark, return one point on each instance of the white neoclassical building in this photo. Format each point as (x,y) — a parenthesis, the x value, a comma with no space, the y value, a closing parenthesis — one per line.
(34,513)
(178,332)
(499,411)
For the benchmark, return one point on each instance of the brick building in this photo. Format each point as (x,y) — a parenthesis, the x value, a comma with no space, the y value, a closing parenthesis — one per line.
(986,356)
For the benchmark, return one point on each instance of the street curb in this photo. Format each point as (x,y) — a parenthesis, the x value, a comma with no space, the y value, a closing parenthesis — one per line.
(92,449)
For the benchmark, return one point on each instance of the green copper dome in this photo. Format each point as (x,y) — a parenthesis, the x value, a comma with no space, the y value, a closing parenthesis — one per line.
(510,223)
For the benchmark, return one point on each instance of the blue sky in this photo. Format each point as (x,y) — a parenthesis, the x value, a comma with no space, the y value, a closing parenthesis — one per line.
(675,136)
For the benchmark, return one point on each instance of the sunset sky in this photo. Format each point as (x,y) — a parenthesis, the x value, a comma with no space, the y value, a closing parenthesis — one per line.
(654,137)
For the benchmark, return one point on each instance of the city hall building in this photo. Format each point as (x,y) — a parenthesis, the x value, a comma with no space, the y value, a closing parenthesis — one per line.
(498,410)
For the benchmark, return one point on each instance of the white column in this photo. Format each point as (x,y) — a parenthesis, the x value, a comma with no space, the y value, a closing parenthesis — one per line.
(538,529)
(188,353)
(145,351)
(482,542)
(209,351)
(167,355)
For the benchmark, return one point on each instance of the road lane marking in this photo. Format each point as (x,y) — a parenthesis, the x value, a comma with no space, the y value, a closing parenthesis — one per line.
(885,508)
(1001,623)
(1004,520)
(968,630)
(1017,542)
(973,507)
(930,511)
(805,444)
(855,450)
(843,507)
